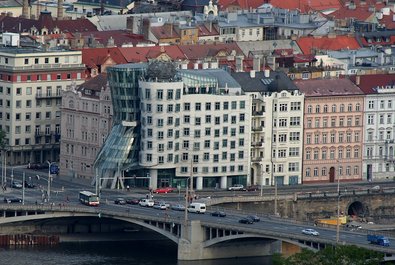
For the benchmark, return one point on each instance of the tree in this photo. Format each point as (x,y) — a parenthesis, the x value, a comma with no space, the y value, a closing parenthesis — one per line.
(339,255)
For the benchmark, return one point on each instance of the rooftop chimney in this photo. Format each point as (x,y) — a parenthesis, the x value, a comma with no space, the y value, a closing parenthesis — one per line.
(60,9)
(25,9)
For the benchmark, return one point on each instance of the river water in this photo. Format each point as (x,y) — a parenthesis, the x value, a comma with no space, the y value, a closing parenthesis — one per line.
(109,253)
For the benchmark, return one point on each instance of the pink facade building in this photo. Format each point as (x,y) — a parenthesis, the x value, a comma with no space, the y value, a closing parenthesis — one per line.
(333,130)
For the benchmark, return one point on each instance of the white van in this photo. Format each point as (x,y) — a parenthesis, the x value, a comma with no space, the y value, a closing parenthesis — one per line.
(197,207)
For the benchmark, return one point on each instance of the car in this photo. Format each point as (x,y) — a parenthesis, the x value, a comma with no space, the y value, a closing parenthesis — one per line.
(163,190)
(177,207)
(218,213)
(29,185)
(254,218)
(120,201)
(133,201)
(12,200)
(253,188)
(146,203)
(310,232)
(160,206)
(17,185)
(246,220)
(237,187)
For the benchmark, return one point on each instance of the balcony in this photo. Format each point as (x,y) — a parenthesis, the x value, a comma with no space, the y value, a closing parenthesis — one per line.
(48,95)
(257,159)
(257,144)
(257,129)
(257,113)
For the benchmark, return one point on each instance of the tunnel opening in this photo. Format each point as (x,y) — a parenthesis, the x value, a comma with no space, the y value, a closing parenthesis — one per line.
(357,209)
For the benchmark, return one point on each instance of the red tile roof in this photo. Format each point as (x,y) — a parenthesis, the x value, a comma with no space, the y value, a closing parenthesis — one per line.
(199,52)
(307,5)
(328,87)
(120,37)
(19,24)
(243,4)
(360,11)
(373,41)
(204,30)
(339,42)
(368,83)
(93,57)
(143,54)
(164,32)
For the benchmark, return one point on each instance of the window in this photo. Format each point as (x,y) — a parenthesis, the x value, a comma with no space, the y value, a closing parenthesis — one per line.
(371,104)
(294,121)
(294,136)
(309,109)
(169,94)
(159,94)
(317,109)
(283,107)
(295,106)
(293,151)
(370,120)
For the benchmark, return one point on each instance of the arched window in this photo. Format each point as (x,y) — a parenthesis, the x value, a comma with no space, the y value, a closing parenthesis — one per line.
(349,108)
(325,108)
(71,104)
(341,107)
(317,109)
(334,108)
(309,109)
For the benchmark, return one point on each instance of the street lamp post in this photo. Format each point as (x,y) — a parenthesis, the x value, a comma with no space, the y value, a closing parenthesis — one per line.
(12,176)
(190,179)
(338,207)
(23,188)
(49,180)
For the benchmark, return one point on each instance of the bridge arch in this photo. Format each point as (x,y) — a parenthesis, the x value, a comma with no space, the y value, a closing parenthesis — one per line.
(62,215)
(357,208)
(214,241)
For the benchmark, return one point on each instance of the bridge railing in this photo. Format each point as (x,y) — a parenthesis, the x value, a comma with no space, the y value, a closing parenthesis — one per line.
(128,212)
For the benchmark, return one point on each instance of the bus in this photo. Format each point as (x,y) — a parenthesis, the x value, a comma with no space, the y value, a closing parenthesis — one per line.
(89,198)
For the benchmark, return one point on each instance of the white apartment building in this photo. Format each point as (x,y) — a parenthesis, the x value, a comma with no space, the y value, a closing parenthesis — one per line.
(31,81)
(379,134)
(86,122)
(277,128)
(195,123)
(277,141)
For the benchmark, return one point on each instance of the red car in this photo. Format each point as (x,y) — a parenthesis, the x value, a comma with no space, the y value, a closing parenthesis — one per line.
(164,190)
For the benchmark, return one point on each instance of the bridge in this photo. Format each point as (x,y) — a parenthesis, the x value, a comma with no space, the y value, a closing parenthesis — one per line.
(198,237)
(376,204)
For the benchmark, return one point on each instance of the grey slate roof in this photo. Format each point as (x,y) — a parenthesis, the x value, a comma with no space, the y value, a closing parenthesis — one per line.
(276,82)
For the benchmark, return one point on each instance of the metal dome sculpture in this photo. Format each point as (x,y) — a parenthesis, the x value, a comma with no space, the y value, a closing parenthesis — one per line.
(161,70)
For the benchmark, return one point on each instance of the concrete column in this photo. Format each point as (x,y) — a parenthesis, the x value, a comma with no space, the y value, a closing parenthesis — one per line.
(223,184)
(191,246)
(199,183)
(153,178)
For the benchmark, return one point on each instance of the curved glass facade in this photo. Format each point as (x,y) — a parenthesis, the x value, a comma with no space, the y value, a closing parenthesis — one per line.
(120,151)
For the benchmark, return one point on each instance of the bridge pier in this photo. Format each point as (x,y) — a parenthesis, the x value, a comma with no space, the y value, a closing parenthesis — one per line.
(192,245)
